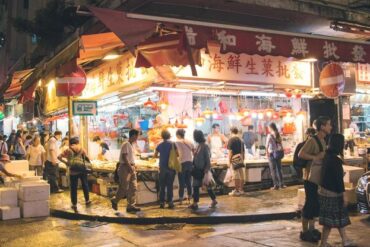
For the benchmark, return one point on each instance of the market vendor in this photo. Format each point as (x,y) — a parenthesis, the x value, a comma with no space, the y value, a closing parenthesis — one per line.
(217,141)
(4,158)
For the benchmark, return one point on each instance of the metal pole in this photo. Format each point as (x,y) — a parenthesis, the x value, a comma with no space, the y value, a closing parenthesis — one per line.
(70,124)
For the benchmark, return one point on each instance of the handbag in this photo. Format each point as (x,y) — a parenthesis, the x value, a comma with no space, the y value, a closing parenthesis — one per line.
(316,167)
(173,161)
(237,160)
(278,154)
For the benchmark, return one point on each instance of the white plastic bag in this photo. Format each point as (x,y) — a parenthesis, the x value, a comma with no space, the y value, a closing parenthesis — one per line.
(229,177)
(208,179)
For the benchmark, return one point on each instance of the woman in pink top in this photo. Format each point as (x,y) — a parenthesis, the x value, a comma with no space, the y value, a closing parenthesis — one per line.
(186,149)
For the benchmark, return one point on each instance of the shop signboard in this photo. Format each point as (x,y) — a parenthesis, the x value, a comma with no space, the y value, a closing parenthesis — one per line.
(363,73)
(332,80)
(251,69)
(114,75)
(84,108)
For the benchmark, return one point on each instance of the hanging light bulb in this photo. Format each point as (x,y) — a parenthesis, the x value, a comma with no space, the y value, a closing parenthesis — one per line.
(260,115)
(254,115)
(269,112)
(246,113)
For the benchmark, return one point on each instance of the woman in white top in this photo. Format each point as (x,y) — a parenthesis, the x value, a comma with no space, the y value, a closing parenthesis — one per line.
(186,150)
(36,156)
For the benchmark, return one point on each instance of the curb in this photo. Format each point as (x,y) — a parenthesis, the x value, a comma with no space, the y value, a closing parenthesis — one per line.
(168,220)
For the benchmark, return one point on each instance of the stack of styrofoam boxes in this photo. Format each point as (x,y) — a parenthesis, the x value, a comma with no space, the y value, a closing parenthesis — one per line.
(351,177)
(34,198)
(144,195)
(107,187)
(9,204)
(33,193)
(253,174)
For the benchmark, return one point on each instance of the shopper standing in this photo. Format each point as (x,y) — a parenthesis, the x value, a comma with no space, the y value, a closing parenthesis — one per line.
(166,175)
(76,158)
(333,213)
(201,165)
(275,153)
(19,150)
(313,150)
(127,174)
(186,149)
(3,145)
(51,163)
(36,156)
(236,161)
(249,137)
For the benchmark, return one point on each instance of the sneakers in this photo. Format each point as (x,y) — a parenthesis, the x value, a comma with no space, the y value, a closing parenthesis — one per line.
(114,205)
(316,233)
(213,204)
(283,186)
(308,236)
(88,203)
(234,193)
(193,207)
(133,209)
(274,188)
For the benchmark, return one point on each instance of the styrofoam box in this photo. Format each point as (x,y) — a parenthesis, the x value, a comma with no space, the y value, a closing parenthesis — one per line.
(253,174)
(143,197)
(34,192)
(141,186)
(34,208)
(8,197)
(350,197)
(352,174)
(9,213)
(17,166)
(301,198)
(32,178)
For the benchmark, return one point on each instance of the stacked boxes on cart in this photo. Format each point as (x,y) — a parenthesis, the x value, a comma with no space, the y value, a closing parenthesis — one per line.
(351,176)
(27,197)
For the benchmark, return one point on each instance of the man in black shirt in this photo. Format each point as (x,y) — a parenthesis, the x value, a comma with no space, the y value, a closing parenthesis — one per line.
(236,156)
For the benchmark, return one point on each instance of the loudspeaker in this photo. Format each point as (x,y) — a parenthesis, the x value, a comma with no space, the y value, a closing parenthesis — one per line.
(326,108)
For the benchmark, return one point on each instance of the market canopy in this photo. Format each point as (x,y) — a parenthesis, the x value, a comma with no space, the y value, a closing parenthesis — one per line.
(238,40)
(17,81)
(95,46)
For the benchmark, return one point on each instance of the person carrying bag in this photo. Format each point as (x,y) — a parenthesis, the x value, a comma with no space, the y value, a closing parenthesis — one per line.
(78,162)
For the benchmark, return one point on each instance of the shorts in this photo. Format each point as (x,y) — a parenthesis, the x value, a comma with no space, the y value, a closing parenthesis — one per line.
(239,173)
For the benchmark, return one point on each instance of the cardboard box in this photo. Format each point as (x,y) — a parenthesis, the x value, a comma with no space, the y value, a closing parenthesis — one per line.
(301,198)
(352,174)
(8,197)
(253,174)
(9,213)
(34,208)
(17,166)
(350,197)
(34,192)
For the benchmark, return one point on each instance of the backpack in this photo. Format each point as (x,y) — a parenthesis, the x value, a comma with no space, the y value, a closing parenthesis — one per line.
(299,163)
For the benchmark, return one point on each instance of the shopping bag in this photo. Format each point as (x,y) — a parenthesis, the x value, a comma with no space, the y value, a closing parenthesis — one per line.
(173,162)
(229,177)
(208,180)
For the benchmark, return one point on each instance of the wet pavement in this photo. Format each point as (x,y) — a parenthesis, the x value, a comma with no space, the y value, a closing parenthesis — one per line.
(55,232)
(251,203)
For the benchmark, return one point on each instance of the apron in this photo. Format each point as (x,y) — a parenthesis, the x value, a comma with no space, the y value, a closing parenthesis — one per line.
(216,147)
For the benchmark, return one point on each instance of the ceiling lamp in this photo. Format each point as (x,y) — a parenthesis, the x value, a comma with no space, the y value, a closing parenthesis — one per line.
(254,115)
(150,104)
(199,121)
(163,104)
(207,113)
(269,112)
(111,55)
(181,125)
(246,113)
(260,115)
